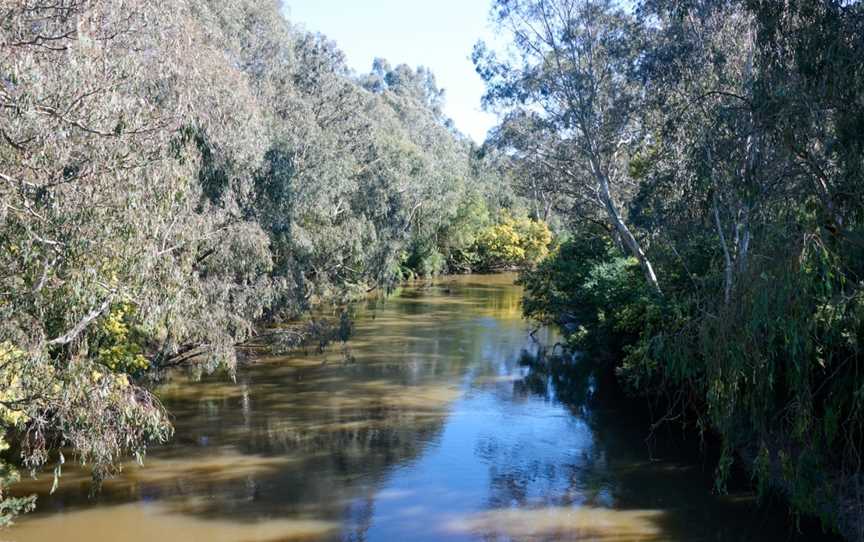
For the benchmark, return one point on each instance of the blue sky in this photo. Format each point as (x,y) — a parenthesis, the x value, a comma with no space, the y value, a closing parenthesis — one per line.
(438,34)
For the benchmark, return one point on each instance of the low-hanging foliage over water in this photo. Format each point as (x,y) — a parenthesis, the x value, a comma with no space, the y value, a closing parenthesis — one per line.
(173,176)
(708,159)
(680,182)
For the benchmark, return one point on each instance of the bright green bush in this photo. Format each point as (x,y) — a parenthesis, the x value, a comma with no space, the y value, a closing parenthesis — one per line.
(423,259)
(595,294)
(459,238)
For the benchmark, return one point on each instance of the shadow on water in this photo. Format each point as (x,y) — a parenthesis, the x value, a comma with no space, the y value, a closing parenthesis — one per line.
(436,422)
(661,482)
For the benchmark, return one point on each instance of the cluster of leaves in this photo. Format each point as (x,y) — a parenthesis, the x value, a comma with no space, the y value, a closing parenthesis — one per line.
(100,416)
(10,416)
(119,346)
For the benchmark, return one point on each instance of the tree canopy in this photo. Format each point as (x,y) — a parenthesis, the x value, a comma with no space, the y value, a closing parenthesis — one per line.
(176,176)
(715,146)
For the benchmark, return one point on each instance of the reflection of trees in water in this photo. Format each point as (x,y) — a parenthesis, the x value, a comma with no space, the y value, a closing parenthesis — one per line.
(556,477)
(316,438)
(618,470)
(336,455)
(359,518)
(558,378)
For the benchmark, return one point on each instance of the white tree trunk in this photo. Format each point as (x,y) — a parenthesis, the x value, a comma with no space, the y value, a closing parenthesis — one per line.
(627,237)
(727,258)
(743,235)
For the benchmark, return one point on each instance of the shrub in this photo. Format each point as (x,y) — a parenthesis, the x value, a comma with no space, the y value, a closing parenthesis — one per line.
(514,242)
(596,295)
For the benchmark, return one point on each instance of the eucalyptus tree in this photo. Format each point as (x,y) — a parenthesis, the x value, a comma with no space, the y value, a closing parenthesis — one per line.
(324,134)
(571,67)
(436,162)
(708,125)
(315,134)
(118,252)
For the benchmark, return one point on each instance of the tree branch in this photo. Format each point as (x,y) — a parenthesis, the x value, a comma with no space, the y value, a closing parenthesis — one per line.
(70,335)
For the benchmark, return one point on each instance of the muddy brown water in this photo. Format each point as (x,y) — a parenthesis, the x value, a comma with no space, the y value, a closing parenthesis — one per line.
(427,425)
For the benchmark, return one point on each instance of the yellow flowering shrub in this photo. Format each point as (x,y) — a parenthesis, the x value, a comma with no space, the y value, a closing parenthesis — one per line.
(515,242)
(118,348)
(10,387)
(11,392)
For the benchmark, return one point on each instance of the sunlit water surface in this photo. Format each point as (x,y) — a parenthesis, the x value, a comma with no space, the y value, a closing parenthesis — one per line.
(426,426)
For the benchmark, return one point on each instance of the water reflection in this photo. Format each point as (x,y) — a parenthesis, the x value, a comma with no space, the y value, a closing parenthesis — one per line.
(431,424)
(553,523)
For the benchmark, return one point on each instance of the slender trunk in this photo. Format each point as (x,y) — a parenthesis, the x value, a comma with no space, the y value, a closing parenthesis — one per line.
(535,200)
(752,153)
(626,236)
(752,156)
(727,258)
(728,265)
(743,235)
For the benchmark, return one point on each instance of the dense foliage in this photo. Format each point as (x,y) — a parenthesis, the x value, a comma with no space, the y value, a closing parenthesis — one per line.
(175,175)
(708,156)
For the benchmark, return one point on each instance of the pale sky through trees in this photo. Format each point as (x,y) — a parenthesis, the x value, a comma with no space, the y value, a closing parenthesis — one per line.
(439,35)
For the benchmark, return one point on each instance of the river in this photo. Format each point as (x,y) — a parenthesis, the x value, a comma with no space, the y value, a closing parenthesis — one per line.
(427,425)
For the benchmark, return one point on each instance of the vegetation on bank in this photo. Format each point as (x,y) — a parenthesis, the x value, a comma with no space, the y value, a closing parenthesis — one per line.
(174,176)
(708,158)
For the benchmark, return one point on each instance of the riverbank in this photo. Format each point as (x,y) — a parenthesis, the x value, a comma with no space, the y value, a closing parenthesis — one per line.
(751,374)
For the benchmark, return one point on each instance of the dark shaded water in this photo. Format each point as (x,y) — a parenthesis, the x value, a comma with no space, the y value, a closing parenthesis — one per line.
(425,427)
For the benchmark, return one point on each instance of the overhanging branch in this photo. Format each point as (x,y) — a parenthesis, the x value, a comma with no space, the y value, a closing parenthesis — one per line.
(82,324)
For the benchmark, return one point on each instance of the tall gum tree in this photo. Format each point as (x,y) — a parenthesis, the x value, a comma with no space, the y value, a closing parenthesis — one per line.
(569,66)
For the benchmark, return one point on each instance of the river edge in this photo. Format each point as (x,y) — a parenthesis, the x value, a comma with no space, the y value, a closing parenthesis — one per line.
(840,514)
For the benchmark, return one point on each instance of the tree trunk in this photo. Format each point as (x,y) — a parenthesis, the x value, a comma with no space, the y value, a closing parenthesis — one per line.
(727,258)
(547,210)
(627,237)
(743,235)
